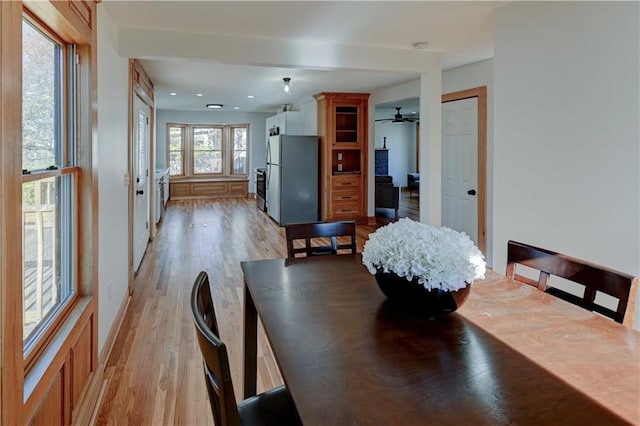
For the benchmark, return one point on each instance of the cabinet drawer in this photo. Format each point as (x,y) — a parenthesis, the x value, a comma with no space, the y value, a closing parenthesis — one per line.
(339,183)
(345,196)
(347,208)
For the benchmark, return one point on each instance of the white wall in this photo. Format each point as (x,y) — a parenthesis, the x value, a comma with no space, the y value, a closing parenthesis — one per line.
(566,147)
(112,167)
(468,77)
(257,135)
(309,111)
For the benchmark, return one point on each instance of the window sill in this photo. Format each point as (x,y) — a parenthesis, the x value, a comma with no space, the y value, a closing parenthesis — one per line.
(178,179)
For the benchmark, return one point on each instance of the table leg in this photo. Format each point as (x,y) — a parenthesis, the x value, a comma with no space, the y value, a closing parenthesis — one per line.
(250,344)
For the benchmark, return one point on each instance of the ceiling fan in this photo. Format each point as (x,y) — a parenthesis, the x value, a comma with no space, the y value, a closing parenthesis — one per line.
(399,118)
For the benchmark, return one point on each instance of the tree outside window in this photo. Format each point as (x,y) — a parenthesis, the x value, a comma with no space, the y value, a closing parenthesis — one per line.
(239,150)
(176,150)
(207,150)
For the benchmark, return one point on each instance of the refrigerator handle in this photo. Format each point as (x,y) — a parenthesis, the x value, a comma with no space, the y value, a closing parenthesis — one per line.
(268,164)
(268,151)
(266,182)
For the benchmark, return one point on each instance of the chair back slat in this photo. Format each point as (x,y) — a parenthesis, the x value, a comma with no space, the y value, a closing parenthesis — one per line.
(214,355)
(594,278)
(319,232)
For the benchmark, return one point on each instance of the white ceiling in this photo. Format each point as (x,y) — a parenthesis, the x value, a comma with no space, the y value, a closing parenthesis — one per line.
(461,31)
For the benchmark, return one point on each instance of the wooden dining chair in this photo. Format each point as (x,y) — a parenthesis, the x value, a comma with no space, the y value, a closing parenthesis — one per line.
(273,407)
(314,235)
(593,278)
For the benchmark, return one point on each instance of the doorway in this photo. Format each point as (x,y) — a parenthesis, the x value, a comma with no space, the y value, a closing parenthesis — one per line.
(396,134)
(464,163)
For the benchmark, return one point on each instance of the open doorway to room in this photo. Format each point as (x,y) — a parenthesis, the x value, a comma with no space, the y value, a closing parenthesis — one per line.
(397,173)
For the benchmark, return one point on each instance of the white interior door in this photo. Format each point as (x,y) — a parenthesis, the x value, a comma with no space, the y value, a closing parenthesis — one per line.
(460,166)
(140,181)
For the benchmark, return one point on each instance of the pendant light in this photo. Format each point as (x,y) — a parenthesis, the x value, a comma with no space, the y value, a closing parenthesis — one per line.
(286,86)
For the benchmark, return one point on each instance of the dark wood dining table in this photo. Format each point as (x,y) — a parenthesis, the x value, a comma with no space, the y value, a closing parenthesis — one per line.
(510,355)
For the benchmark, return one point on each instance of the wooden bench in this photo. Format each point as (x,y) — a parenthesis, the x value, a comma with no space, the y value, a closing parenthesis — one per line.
(184,189)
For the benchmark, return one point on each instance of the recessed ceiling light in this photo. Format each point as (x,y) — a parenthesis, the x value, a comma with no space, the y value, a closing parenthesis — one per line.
(173,93)
(414,112)
(214,106)
(419,45)
(236,107)
(199,94)
(250,96)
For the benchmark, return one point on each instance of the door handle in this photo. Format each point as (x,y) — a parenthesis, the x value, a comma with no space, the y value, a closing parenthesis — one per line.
(139,192)
(471,192)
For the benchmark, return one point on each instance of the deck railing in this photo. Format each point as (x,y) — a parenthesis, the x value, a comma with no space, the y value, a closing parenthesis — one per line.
(40,253)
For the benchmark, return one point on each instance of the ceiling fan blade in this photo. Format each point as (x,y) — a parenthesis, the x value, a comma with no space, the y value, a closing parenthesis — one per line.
(399,118)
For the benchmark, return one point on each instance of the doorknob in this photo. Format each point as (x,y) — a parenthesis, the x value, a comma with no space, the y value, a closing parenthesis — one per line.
(139,192)
(471,192)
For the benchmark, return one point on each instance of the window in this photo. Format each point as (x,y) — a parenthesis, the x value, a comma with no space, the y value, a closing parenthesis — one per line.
(211,150)
(143,129)
(207,150)
(176,149)
(239,153)
(49,179)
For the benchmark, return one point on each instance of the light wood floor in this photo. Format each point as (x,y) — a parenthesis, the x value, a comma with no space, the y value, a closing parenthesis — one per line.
(154,373)
(409,205)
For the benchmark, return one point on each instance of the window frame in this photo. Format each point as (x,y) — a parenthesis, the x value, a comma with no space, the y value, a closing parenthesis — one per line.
(232,149)
(227,149)
(48,326)
(183,145)
(222,150)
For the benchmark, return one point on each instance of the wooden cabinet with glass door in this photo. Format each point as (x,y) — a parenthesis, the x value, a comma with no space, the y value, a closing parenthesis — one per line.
(342,130)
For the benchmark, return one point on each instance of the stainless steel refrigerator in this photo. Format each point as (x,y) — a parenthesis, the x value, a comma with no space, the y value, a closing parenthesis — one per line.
(292,178)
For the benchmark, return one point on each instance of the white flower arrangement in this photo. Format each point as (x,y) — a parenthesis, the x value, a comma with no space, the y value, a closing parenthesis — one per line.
(440,258)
